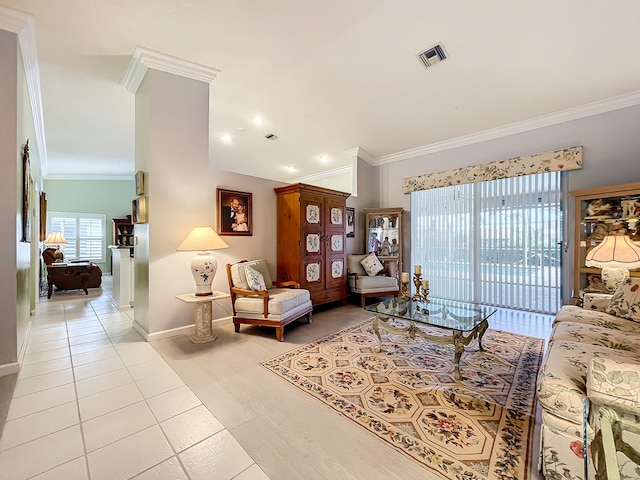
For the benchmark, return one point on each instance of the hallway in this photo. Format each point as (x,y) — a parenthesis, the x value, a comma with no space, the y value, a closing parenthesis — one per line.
(91,391)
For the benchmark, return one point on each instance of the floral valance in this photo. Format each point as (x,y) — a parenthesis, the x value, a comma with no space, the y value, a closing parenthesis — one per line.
(565,159)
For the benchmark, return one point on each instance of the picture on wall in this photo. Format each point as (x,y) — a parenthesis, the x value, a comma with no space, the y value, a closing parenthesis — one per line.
(43,216)
(139,209)
(26,183)
(140,184)
(235,215)
(351,222)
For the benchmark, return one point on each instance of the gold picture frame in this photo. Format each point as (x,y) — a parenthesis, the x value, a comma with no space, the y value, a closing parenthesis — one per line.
(141,187)
(235,214)
(139,209)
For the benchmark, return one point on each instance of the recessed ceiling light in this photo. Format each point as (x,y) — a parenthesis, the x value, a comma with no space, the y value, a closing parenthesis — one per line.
(291,168)
(226,138)
(324,159)
(257,120)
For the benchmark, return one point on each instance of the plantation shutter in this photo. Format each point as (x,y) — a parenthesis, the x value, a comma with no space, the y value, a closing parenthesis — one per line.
(84,232)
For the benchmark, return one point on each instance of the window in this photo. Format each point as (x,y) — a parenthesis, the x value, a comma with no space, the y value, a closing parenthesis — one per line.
(495,242)
(84,232)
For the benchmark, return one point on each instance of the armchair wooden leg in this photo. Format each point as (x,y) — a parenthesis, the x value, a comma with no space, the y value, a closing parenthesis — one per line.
(308,315)
(363,301)
(236,327)
(280,334)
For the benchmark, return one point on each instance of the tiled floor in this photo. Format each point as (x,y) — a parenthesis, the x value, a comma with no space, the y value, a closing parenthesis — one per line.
(94,401)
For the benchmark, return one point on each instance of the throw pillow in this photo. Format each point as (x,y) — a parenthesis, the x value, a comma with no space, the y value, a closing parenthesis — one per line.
(625,302)
(254,278)
(372,265)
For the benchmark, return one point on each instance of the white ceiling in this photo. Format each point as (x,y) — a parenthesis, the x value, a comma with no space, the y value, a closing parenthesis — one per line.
(326,75)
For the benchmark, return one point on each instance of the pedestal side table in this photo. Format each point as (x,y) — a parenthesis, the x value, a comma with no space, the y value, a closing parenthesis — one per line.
(204,329)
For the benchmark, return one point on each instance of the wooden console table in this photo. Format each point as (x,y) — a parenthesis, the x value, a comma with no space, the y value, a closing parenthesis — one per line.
(57,271)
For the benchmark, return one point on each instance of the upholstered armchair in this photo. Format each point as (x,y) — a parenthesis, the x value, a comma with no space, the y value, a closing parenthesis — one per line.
(256,300)
(68,277)
(372,284)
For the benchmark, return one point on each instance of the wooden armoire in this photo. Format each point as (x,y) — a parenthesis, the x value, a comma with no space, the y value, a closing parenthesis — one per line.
(311,240)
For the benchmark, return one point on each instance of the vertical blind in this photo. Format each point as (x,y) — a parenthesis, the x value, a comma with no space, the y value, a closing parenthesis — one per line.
(84,232)
(495,242)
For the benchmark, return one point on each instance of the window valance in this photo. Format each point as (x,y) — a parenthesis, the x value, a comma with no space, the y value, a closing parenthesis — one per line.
(565,159)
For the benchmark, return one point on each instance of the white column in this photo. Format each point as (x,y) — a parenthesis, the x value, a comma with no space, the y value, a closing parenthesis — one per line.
(172,148)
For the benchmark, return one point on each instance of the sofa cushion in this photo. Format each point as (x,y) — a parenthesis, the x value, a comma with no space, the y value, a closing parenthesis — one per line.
(622,342)
(573,314)
(372,265)
(254,278)
(625,302)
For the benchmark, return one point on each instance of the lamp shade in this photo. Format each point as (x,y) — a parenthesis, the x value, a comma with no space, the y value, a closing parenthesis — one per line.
(203,265)
(202,239)
(55,238)
(615,251)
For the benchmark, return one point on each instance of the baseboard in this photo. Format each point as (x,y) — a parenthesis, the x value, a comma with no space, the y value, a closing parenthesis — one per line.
(173,332)
(9,369)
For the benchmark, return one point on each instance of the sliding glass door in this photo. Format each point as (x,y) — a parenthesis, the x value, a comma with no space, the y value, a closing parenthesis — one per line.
(496,242)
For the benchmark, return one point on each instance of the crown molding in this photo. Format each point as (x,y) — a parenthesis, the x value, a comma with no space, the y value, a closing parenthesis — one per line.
(144,59)
(83,176)
(567,115)
(22,24)
(359,152)
(324,174)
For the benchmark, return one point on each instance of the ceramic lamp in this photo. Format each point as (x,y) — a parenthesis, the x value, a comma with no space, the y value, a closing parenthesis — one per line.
(55,239)
(615,255)
(203,265)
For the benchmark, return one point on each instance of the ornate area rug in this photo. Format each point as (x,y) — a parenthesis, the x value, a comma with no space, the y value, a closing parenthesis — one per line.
(479,428)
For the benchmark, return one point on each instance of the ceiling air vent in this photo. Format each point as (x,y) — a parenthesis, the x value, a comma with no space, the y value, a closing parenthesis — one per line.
(432,56)
(271,137)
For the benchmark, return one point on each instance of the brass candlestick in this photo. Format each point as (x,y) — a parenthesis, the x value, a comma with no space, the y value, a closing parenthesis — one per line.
(417,281)
(404,289)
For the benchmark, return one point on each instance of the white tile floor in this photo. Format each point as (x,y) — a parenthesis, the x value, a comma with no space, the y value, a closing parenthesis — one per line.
(95,401)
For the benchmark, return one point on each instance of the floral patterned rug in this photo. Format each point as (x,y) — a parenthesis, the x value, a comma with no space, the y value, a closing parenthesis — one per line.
(479,428)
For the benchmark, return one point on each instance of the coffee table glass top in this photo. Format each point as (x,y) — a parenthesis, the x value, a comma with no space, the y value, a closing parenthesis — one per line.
(437,312)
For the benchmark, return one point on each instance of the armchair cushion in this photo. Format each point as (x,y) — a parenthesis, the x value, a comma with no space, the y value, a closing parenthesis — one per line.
(256,300)
(254,278)
(281,301)
(625,302)
(372,265)
(239,276)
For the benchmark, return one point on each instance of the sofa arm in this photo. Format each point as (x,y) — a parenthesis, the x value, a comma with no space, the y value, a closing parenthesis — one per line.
(596,301)
(614,384)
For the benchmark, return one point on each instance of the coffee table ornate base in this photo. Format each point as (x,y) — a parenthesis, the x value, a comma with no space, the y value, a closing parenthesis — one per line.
(457,338)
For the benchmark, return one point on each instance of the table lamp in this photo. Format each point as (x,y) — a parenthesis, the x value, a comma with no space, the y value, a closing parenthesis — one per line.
(55,239)
(615,255)
(203,265)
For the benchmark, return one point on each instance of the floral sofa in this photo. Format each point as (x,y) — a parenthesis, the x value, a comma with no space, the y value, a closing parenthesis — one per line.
(592,360)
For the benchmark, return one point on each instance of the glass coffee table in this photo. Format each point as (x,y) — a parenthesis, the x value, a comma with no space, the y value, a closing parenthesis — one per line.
(465,321)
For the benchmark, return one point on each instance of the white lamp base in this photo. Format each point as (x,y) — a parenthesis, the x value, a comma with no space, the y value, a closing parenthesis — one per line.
(203,269)
(613,277)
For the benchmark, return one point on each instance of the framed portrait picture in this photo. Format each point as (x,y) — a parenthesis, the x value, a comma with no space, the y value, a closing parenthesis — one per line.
(350,228)
(140,185)
(235,215)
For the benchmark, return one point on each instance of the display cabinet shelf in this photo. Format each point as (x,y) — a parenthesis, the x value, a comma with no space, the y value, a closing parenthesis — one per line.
(600,212)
